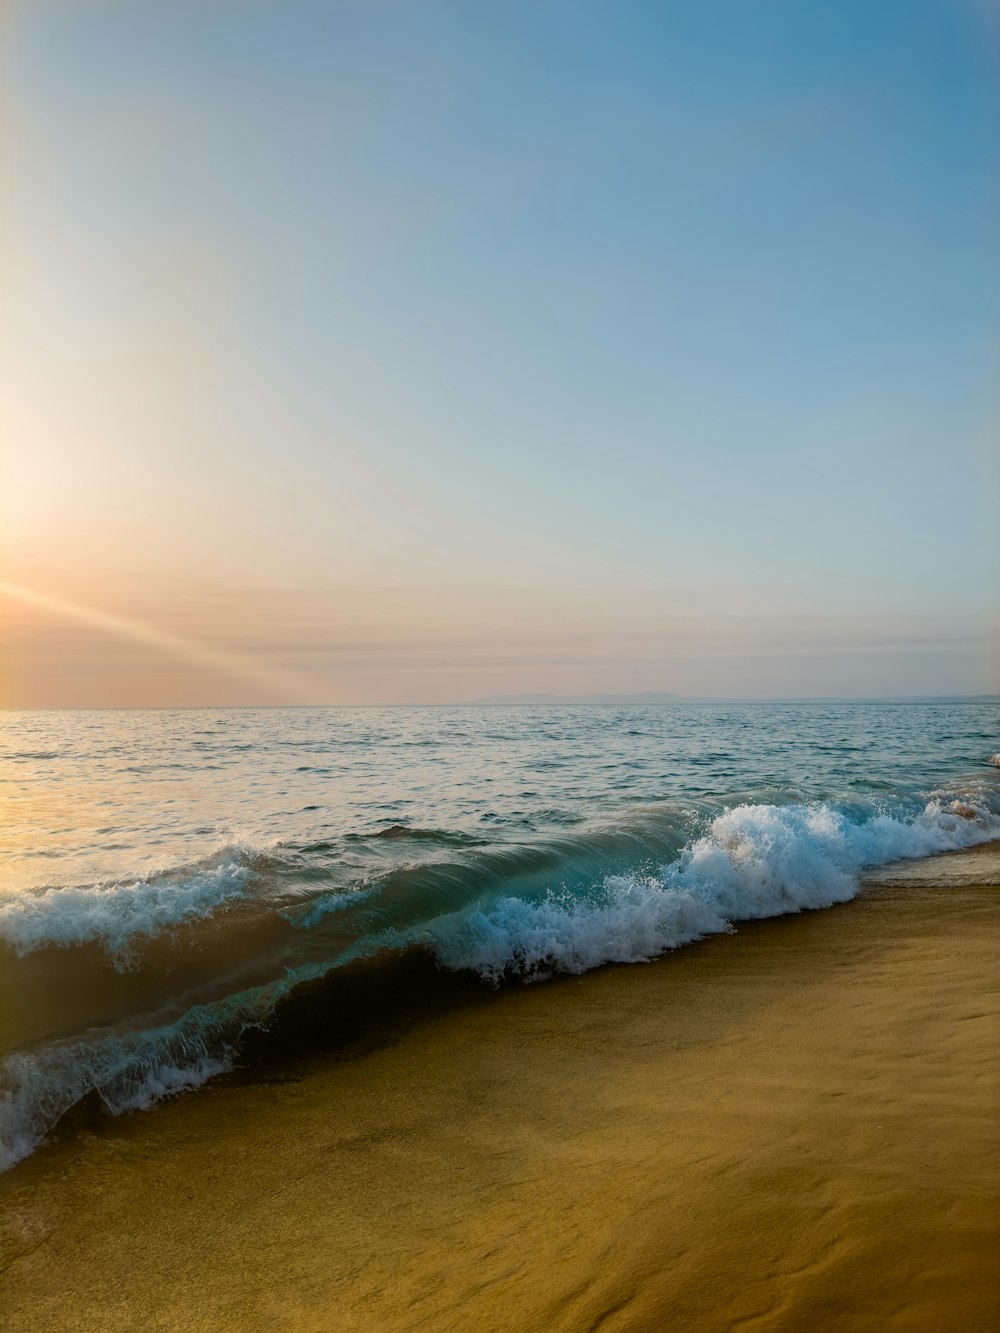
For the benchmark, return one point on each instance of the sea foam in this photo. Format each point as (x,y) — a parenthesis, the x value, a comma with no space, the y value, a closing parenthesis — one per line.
(128,1071)
(755,861)
(116,914)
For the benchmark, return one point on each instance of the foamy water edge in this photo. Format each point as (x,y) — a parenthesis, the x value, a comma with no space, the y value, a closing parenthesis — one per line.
(754,861)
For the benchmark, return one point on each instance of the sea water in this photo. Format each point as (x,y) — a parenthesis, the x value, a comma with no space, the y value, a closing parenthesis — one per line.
(171,878)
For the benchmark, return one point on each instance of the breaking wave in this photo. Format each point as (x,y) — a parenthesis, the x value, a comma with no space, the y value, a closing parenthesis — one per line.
(523,912)
(115,914)
(755,861)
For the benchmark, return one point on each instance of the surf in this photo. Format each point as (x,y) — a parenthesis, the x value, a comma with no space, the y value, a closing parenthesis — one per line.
(220,953)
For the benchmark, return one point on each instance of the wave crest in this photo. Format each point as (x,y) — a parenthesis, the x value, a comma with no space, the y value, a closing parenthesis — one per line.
(115,915)
(755,861)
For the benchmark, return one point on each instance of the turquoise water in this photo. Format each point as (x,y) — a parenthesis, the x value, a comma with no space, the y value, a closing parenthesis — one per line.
(170,877)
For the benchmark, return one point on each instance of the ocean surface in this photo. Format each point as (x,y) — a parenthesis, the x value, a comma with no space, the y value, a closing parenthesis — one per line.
(174,882)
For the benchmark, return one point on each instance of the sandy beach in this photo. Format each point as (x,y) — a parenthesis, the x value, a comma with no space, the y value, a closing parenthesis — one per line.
(792,1127)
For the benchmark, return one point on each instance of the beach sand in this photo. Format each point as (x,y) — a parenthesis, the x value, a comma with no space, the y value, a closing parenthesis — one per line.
(792,1127)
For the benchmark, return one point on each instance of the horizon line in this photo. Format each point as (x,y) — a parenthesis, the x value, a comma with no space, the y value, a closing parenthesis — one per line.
(647,698)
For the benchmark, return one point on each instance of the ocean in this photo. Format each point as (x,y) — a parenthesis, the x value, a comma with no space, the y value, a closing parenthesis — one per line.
(177,885)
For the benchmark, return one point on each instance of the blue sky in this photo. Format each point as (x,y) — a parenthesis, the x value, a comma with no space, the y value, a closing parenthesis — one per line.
(548,343)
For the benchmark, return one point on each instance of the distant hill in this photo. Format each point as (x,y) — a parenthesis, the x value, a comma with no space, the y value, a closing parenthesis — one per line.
(649,698)
(658,697)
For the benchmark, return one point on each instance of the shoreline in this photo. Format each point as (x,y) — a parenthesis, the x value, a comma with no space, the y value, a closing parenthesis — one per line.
(792,1126)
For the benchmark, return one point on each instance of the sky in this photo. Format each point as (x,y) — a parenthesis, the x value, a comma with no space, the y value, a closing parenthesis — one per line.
(416,352)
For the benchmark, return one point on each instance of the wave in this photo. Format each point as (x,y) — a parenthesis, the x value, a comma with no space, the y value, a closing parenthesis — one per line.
(125,1072)
(114,914)
(515,912)
(755,861)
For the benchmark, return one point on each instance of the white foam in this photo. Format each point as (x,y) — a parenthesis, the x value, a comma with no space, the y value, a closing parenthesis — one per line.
(754,861)
(129,1071)
(325,905)
(166,1080)
(115,914)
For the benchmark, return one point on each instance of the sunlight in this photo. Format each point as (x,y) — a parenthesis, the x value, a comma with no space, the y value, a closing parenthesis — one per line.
(283,687)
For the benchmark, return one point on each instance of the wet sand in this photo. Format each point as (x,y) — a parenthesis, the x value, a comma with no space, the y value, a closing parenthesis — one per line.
(793,1127)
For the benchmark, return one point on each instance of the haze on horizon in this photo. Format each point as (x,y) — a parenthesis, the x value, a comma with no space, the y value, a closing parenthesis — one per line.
(378,352)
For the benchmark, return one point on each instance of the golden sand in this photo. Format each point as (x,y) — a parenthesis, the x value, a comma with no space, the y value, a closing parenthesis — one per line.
(793,1128)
